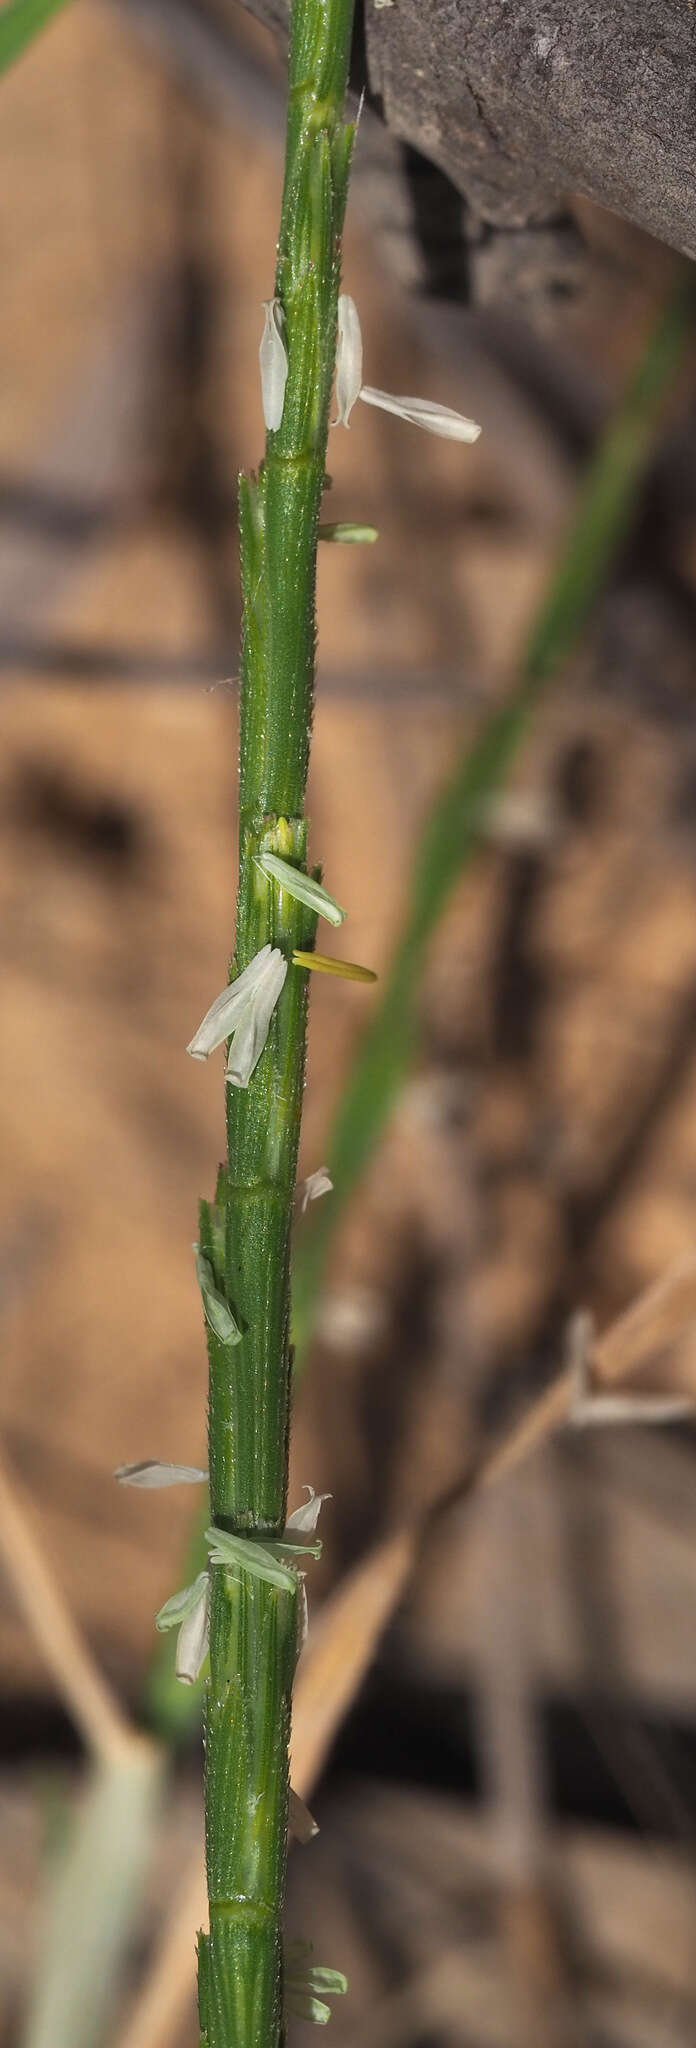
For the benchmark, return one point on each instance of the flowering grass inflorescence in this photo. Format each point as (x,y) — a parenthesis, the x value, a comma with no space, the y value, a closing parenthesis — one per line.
(245,1614)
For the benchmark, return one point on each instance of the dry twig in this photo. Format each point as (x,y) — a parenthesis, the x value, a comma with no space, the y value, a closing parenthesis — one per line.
(343,1641)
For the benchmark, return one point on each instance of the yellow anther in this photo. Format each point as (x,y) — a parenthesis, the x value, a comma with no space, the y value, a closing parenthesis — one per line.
(325,964)
(283,839)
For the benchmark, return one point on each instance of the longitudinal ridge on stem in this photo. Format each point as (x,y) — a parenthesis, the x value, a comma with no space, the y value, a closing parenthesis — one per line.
(244,1235)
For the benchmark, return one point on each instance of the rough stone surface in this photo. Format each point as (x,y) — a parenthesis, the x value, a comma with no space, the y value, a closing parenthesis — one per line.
(523,101)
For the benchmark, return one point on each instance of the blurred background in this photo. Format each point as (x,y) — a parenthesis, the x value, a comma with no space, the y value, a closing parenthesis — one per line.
(505,1770)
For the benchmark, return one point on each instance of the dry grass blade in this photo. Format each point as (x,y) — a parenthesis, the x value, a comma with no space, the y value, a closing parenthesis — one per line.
(84,1691)
(162,2000)
(341,1648)
(343,1641)
(649,1326)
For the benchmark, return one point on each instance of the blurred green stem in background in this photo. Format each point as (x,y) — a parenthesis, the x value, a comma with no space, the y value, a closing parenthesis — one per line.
(451,834)
(452,829)
(20,21)
(92,1902)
